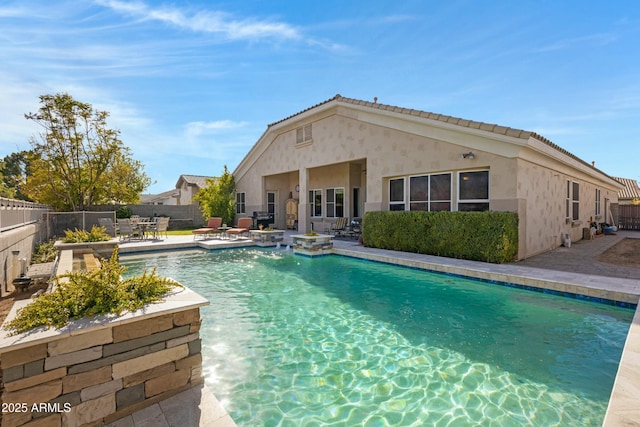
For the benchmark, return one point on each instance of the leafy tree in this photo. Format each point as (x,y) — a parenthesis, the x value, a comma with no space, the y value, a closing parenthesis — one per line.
(4,190)
(77,160)
(217,197)
(13,172)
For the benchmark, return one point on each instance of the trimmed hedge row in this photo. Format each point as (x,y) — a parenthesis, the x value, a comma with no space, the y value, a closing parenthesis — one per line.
(480,236)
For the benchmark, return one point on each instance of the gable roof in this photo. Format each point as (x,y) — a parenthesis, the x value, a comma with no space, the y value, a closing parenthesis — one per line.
(630,190)
(151,198)
(197,180)
(501,132)
(489,127)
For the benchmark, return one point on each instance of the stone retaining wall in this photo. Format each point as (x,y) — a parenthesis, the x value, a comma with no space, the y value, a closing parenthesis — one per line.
(102,373)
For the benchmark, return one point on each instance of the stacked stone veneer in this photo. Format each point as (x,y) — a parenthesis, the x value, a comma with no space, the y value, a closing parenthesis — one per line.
(102,374)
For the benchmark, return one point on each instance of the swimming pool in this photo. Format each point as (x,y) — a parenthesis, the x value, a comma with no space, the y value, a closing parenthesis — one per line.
(291,340)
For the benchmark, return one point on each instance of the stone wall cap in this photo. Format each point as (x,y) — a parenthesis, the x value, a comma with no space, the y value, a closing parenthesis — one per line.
(180,299)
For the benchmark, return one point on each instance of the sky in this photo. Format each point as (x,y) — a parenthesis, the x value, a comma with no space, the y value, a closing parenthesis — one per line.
(192,85)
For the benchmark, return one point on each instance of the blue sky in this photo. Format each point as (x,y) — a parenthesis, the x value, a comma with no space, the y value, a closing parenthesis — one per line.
(192,85)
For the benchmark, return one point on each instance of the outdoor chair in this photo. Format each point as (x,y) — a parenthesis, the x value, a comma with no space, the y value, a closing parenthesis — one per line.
(212,228)
(339,227)
(243,227)
(127,230)
(108,225)
(161,226)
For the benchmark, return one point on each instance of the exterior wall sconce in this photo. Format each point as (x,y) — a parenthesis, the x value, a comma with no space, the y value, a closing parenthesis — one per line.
(468,155)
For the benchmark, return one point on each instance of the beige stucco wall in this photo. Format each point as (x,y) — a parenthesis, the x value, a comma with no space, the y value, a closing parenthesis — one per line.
(16,247)
(358,148)
(541,185)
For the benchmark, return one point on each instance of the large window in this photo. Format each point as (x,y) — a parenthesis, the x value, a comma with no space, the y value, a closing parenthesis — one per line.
(430,192)
(241,203)
(419,193)
(315,203)
(473,191)
(335,202)
(396,194)
(440,192)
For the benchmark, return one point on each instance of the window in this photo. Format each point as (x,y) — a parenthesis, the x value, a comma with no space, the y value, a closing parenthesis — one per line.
(440,192)
(598,211)
(396,194)
(315,203)
(575,201)
(568,201)
(241,203)
(473,191)
(419,193)
(303,134)
(335,202)
(271,202)
(430,192)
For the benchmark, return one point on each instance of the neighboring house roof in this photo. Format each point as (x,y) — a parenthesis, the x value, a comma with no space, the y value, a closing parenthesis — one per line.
(153,198)
(489,127)
(197,180)
(630,190)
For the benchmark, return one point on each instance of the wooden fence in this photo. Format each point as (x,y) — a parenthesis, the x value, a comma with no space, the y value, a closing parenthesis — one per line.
(629,217)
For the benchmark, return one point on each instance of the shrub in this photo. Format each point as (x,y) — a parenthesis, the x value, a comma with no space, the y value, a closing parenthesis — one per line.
(44,252)
(91,293)
(124,212)
(481,236)
(97,234)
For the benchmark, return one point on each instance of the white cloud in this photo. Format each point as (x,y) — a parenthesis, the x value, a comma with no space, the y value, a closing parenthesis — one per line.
(207,22)
(599,39)
(196,129)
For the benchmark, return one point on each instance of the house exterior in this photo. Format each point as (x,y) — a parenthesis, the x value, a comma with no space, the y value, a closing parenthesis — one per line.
(344,157)
(629,193)
(188,186)
(165,198)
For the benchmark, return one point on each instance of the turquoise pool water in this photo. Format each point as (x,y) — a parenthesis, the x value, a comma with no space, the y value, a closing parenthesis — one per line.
(335,341)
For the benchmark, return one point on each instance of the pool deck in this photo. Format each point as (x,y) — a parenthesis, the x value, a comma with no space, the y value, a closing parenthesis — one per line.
(574,270)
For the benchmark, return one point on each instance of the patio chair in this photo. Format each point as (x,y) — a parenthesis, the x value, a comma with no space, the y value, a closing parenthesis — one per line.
(161,226)
(339,228)
(127,230)
(212,228)
(242,227)
(109,226)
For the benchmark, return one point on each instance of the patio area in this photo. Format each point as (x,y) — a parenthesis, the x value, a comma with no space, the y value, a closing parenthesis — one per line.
(574,269)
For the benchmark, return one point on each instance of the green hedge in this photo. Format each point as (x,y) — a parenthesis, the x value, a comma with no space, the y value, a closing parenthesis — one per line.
(480,236)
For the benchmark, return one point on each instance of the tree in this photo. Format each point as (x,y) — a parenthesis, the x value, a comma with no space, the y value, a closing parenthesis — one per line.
(217,197)
(4,190)
(78,161)
(13,170)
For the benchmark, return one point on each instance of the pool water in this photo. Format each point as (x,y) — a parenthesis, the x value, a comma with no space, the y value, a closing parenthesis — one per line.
(335,341)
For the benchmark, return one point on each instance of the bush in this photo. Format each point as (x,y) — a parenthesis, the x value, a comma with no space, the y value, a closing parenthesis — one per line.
(123,212)
(480,236)
(97,234)
(91,293)
(44,252)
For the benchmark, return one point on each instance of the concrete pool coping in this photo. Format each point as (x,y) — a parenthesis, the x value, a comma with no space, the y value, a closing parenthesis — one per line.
(623,408)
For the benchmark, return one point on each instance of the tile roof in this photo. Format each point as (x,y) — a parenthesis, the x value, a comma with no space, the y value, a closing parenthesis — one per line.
(150,198)
(630,190)
(199,180)
(489,127)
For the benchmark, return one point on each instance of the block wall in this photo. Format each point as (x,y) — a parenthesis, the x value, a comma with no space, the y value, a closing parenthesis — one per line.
(104,374)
